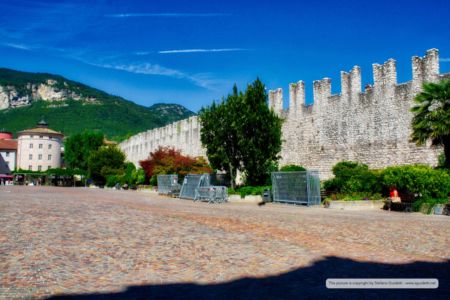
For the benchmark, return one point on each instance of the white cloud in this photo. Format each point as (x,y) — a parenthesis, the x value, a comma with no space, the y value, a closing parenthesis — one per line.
(16,46)
(170,15)
(203,80)
(145,68)
(201,50)
(142,53)
(444,59)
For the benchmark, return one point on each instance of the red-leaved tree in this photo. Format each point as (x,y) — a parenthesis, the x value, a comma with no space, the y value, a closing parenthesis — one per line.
(166,160)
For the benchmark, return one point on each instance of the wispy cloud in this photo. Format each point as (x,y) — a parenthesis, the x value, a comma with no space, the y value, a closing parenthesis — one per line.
(140,53)
(203,80)
(201,50)
(444,59)
(169,15)
(59,30)
(145,68)
(16,46)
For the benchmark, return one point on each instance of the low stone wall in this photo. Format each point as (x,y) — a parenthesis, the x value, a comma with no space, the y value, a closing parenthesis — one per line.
(356,205)
(250,199)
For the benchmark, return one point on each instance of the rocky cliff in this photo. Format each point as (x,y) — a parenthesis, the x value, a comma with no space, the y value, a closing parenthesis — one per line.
(51,90)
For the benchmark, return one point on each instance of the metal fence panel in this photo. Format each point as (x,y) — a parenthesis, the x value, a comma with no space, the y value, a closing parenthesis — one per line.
(191,182)
(168,184)
(221,194)
(296,187)
(212,194)
(314,188)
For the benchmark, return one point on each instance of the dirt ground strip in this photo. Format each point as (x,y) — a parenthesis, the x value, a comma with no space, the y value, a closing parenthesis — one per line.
(128,244)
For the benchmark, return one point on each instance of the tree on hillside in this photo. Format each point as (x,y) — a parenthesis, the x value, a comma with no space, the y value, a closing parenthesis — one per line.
(78,148)
(106,161)
(431,119)
(242,133)
(167,160)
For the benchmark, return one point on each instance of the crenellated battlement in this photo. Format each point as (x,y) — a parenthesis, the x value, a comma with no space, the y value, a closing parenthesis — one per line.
(276,100)
(296,97)
(425,69)
(372,126)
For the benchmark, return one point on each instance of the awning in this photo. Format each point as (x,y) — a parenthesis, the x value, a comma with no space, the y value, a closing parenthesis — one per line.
(4,176)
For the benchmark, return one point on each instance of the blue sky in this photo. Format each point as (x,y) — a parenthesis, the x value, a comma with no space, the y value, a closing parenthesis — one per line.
(192,52)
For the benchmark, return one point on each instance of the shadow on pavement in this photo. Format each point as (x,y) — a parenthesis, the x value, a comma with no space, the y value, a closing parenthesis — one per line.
(302,283)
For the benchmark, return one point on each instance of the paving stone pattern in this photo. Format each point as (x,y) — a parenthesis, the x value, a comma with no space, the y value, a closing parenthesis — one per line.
(56,241)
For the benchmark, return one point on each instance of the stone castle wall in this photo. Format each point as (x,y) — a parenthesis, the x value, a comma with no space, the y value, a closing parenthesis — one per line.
(372,127)
(183,135)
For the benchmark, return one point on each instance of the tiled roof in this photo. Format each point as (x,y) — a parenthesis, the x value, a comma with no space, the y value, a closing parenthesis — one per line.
(38,130)
(8,144)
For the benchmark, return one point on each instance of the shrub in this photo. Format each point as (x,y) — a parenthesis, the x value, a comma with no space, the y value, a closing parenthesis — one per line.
(112,180)
(421,180)
(248,190)
(171,161)
(355,196)
(139,177)
(106,161)
(441,160)
(154,180)
(292,168)
(353,177)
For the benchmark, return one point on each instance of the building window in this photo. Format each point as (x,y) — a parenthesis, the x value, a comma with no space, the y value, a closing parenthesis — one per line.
(31,146)
(30,156)
(39,168)
(7,154)
(40,156)
(30,167)
(49,157)
(49,146)
(48,167)
(41,137)
(40,146)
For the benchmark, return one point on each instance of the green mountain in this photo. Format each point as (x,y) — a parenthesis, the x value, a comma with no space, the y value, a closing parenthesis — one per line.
(72,107)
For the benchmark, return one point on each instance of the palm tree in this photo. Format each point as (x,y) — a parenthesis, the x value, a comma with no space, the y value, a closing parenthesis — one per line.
(431,119)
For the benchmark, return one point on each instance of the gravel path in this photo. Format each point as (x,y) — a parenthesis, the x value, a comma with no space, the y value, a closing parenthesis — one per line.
(59,241)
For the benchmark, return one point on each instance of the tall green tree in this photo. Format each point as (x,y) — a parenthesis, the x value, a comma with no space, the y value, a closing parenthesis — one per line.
(78,148)
(106,161)
(431,119)
(220,134)
(260,134)
(242,133)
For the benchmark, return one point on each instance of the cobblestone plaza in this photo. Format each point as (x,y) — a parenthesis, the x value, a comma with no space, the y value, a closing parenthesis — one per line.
(77,241)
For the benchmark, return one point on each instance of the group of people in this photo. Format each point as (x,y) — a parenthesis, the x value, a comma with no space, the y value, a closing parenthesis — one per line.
(6,182)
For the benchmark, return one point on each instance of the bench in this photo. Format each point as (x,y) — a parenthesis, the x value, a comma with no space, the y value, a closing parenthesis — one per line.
(407,200)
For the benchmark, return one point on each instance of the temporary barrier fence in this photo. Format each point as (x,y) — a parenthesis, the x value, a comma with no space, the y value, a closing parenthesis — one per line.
(212,194)
(301,187)
(191,182)
(168,184)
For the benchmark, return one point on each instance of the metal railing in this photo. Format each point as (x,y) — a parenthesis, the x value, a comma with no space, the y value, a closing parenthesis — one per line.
(191,182)
(198,187)
(168,185)
(296,187)
(212,194)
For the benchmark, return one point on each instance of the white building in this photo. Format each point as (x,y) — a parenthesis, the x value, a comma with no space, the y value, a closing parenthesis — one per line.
(39,149)
(8,151)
